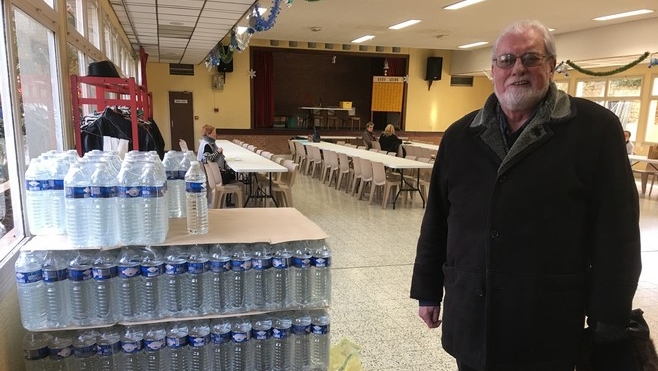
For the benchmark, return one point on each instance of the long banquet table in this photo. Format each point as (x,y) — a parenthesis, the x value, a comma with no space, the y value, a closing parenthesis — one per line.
(634,159)
(244,161)
(390,162)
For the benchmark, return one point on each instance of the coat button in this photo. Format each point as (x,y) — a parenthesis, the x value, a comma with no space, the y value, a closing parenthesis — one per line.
(479,293)
(493,233)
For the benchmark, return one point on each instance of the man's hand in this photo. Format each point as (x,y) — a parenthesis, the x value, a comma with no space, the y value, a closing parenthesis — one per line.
(430,315)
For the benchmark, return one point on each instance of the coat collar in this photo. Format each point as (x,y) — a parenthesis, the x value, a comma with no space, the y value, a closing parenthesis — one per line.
(556,107)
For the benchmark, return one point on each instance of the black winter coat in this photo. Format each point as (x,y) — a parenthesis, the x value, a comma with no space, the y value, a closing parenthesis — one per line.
(526,242)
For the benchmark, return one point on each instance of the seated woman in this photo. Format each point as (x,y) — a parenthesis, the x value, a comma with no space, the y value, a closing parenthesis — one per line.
(210,152)
(389,141)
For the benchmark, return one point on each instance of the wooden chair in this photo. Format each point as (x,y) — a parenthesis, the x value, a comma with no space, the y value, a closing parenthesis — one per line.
(381,180)
(353,120)
(219,190)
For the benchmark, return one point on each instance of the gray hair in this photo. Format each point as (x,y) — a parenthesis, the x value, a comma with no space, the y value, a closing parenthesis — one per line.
(521,27)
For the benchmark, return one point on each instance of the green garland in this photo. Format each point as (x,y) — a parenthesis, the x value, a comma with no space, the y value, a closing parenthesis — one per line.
(226,56)
(611,72)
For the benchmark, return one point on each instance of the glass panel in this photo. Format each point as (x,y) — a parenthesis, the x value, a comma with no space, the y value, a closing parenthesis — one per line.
(625,87)
(562,85)
(74,15)
(93,28)
(590,88)
(627,111)
(6,218)
(74,56)
(107,34)
(654,91)
(37,85)
(652,122)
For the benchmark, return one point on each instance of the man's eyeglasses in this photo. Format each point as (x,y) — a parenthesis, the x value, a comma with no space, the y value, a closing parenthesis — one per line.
(530,59)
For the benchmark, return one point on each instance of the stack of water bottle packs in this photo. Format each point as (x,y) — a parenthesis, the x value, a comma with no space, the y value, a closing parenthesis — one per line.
(282,341)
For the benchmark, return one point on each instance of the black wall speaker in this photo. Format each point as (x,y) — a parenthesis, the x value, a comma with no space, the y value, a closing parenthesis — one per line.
(434,66)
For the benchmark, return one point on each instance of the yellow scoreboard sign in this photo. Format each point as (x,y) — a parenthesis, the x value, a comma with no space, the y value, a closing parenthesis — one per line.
(387,93)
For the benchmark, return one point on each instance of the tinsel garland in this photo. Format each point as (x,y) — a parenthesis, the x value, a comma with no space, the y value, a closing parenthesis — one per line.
(225,54)
(611,72)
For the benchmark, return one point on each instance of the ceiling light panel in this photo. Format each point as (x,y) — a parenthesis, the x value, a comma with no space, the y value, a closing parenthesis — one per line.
(462,4)
(404,24)
(473,45)
(623,15)
(363,38)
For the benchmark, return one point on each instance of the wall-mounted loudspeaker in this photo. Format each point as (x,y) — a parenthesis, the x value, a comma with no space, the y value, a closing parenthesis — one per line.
(434,66)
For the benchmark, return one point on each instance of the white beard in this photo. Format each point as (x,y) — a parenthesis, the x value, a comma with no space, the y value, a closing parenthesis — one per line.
(521,99)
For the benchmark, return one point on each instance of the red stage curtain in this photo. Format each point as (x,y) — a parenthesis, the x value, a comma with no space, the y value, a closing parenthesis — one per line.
(397,66)
(263,88)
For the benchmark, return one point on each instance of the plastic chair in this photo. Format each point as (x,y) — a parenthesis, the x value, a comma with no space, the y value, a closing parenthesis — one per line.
(330,166)
(356,179)
(282,190)
(366,177)
(379,181)
(300,153)
(219,190)
(343,170)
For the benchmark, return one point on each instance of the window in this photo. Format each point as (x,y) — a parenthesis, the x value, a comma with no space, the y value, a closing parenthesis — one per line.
(652,121)
(562,85)
(74,16)
(93,28)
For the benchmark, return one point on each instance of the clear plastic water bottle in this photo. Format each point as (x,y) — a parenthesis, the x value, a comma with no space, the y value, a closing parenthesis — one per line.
(196,199)
(321,268)
(301,350)
(37,197)
(154,205)
(60,349)
(31,290)
(81,286)
(55,280)
(198,281)
(175,183)
(85,357)
(35,351)
(242,349)
(220,272)
(152,272)
(108,347)
(282,297)
(105,298)
(131,357)
(177,356)
(76,188)
(130,284)
(261,263)
(199,340)
(129,202)
(242,280)
(282,346)
(301,262)
(320,341)
(184,166)
(261,336)
(154,347)
(58,167)
(220,335)
(104,218)
(175,281)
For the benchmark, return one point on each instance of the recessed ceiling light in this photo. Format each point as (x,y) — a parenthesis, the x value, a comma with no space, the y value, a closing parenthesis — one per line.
(363,38)
(622,15)
(404,24)
(473,45)
(551,29)
(461,4)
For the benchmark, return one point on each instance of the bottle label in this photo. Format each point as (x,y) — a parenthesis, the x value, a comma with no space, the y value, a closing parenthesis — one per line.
(220,338)
(102,274)
(240,265)
(195,187)
(197,268)
(152,191)
(199,341)
(321,262)
(301,262)
(34,354)
(175,269)
(79,274)
(261,334)
(129,271)
(102,192)
(320,329)
(61,353)
(261,263)
(281,263)
(301,330)
(131,346)
(37,185)
(57,275)
(56,184)
(29,277)
(76,192)
(128,192)
(108,349)
(154,345)
(220,266)
(152,270)
(280,333)
(240,337)
(84,352)
(174,342)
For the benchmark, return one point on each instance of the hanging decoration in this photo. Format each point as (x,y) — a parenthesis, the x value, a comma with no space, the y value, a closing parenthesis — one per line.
(252,73)
(259,24)
(562,68)
(219,55)
(611,72)
(653,61)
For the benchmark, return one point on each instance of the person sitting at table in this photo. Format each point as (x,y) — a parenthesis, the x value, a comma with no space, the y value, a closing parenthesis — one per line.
(390,142)
(629,144)
(210,152)
(368,136)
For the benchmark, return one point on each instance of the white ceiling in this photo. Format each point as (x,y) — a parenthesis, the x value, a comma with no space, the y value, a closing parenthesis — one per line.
(171,32)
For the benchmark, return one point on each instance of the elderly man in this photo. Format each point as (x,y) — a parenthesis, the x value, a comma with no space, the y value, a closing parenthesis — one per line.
(526,231)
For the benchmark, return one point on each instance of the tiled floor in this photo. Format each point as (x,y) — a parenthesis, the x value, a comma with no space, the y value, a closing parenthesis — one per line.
(373,253)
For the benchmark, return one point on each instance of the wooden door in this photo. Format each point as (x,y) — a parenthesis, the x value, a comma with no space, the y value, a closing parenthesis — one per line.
(181,113)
